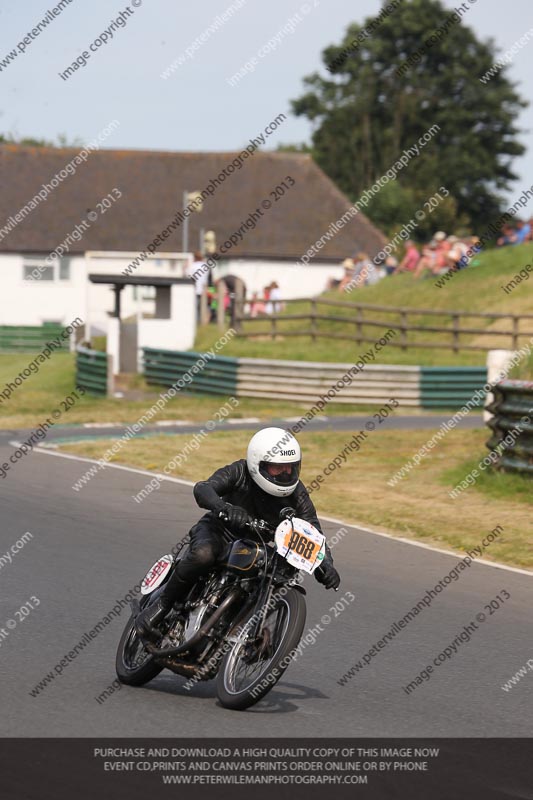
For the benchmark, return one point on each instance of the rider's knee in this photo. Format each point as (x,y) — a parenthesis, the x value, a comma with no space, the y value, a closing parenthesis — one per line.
(204,554)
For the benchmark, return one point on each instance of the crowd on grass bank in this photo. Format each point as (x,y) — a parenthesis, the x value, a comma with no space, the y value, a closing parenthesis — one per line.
(442,254)
(438,256)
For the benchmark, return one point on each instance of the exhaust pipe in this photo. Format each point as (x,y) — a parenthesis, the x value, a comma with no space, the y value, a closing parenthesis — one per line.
(199,635)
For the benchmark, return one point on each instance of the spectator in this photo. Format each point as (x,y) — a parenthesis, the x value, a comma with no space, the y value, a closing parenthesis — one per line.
(390,266)
(275,297)
(508,237)
(457,257)
(523,232)
(257,306)
(212,302)
(411,258)
(349,274)
(366,271)
(428,260)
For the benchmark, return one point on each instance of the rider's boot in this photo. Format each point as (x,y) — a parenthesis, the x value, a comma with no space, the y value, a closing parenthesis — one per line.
(174,589)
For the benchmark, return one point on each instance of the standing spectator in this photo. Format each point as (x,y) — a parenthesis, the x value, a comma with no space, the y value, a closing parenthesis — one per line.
(275,297)
(257,306)
(411,258)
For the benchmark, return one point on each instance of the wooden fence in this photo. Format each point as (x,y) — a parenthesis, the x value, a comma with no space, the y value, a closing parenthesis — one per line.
(367,315)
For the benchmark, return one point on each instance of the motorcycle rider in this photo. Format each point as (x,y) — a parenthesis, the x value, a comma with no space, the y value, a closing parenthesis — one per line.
(259,485)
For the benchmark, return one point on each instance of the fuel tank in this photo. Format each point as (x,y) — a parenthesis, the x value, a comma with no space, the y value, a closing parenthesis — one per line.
(245,555)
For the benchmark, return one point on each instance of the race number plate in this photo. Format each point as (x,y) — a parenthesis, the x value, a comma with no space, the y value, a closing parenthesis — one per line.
(156,574)
(301,544)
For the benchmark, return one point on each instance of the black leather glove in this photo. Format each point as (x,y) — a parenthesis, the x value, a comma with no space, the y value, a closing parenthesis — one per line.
(237,517)
(327,575)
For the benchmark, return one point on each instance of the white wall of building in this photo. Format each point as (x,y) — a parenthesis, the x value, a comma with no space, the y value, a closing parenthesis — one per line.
(34,302)
(176,333)
(294,281)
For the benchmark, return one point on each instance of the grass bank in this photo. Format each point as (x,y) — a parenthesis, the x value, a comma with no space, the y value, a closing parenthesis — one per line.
(418,507)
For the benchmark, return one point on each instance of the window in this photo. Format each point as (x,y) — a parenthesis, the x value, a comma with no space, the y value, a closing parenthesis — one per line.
(36,269)
(38,272)
(64,270)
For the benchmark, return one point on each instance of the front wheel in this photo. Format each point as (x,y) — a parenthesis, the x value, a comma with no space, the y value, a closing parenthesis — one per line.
(252,667)
(134,665)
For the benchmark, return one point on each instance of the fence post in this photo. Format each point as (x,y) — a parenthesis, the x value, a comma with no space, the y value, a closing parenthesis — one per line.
(313,320)
(237,306)
(456,332)
(403,328)
(358,322)
(516,325)
(110,376)
(204,310)
(221,311)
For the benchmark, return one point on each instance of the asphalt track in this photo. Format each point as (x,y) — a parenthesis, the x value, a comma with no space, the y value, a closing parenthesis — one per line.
(93,430)
(90,547)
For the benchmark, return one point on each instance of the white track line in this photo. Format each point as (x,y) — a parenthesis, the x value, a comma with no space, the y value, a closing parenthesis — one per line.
(102,424)
(172,422)
(239,421)
(493,564)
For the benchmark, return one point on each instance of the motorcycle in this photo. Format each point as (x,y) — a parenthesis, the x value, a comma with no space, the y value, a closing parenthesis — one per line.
(241,623)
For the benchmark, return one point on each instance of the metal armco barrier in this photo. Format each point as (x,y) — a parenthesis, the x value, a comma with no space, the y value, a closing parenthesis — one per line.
(450,387)
(513,400)
(29,339)
(94,371)
(305,381)
(166,367)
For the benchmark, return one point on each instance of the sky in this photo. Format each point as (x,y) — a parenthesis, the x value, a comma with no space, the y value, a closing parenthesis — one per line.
(196,108)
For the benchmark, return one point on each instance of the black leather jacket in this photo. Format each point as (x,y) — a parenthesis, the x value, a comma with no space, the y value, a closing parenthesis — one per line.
(233,484)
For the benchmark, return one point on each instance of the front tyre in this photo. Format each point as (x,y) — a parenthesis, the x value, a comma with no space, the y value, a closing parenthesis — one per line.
(134,665)
(252,668)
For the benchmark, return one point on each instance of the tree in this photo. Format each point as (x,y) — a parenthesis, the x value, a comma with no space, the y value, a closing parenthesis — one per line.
(365,113)
(30,141)
(301,147)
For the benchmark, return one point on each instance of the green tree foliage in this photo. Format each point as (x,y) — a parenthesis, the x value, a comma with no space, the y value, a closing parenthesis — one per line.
(30,141)
(365,115)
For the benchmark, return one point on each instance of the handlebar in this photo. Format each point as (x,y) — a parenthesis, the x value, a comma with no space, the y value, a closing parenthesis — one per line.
(260,525)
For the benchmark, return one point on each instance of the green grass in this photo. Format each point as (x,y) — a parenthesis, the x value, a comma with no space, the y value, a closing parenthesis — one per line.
(494,483)
(478,288)
(418,507)
(34,400)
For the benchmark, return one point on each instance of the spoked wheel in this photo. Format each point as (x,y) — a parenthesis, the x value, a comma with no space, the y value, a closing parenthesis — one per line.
(254,665)
(134,665)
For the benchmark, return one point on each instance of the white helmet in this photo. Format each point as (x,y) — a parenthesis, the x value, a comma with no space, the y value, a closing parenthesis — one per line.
(274,458)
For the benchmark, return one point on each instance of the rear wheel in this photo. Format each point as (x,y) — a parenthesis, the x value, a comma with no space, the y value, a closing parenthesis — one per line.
(253,667)
(134,665)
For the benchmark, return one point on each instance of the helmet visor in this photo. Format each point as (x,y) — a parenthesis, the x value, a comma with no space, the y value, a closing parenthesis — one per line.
(280,474)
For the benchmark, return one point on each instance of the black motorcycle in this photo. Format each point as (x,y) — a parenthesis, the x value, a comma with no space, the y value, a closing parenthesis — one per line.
(240,624)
